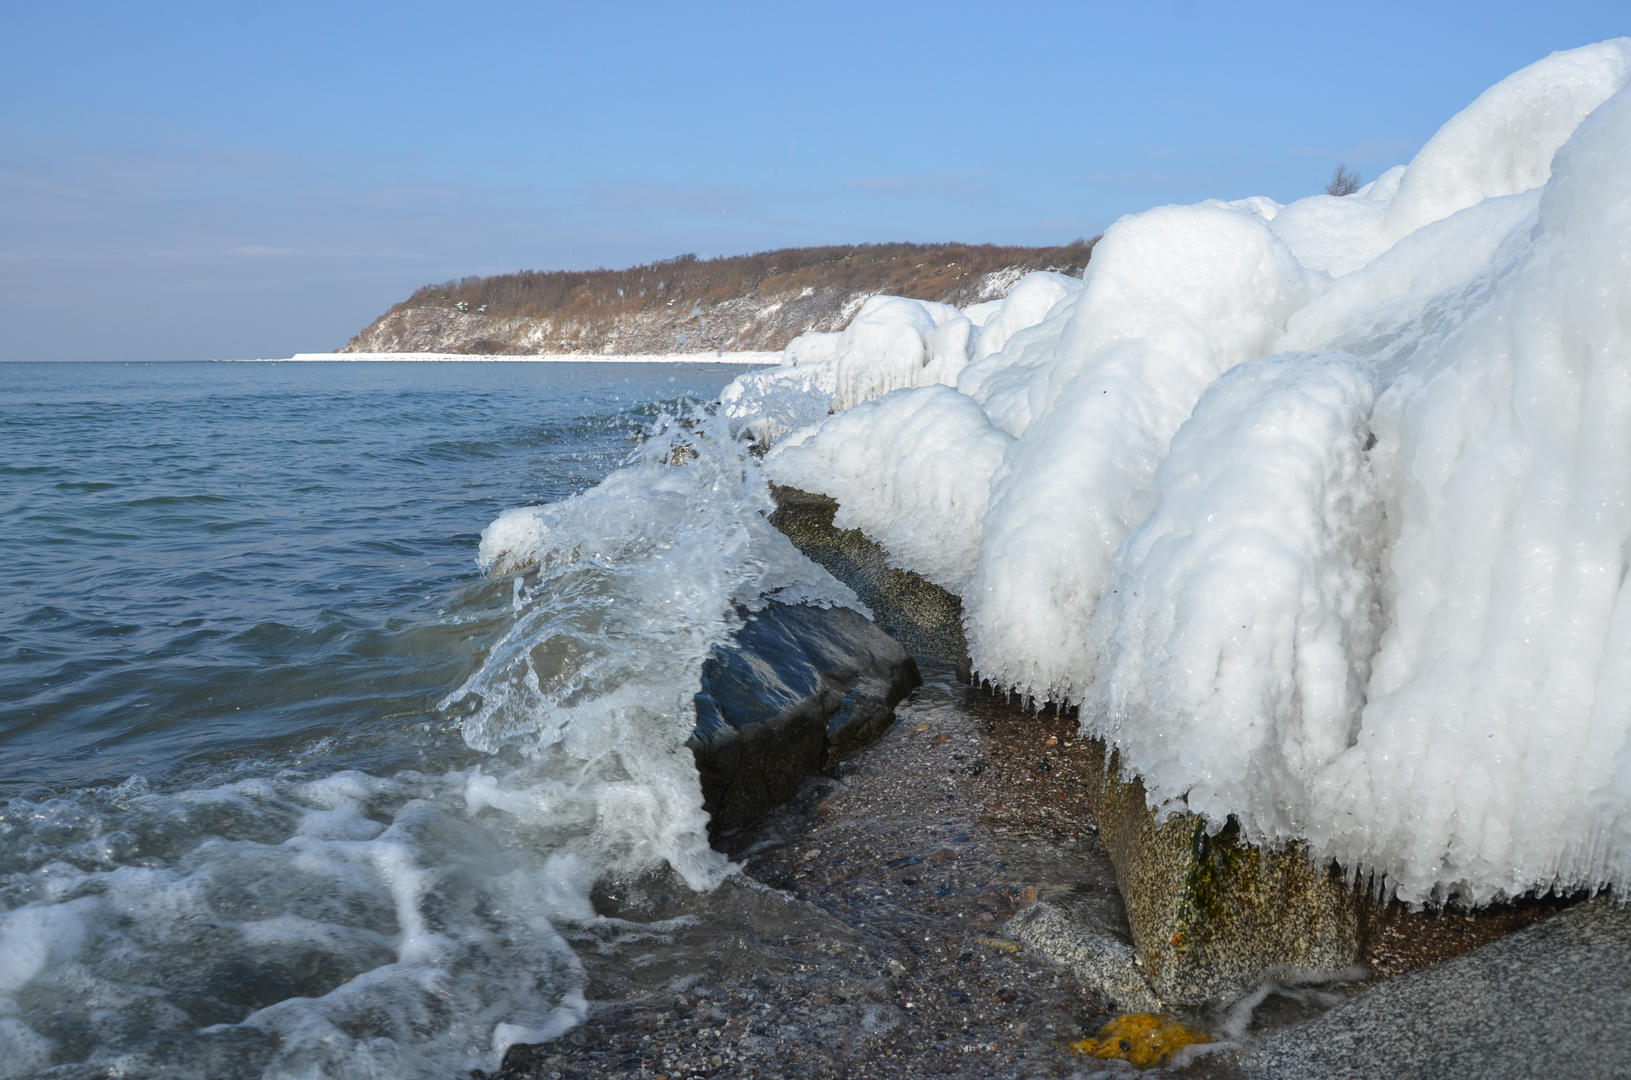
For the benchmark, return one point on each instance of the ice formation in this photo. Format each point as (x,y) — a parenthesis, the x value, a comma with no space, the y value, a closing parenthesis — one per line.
(1321,511)
(893,343)
(912,469)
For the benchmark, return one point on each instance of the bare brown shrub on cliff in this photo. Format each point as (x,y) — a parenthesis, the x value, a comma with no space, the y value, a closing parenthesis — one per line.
(951,273)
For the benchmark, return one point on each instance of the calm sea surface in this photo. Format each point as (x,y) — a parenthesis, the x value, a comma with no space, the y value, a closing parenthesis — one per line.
(237,837)
(209,562)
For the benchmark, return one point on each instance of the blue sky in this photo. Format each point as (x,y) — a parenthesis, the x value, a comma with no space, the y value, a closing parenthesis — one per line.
(187,181)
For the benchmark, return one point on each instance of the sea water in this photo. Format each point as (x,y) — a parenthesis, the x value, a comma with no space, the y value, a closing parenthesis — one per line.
(243,827)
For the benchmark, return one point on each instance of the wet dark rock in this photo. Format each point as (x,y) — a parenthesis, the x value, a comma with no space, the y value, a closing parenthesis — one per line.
(798,689)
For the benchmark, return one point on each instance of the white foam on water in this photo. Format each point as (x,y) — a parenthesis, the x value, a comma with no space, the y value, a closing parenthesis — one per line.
(349,926)
(361,926)
(630,585)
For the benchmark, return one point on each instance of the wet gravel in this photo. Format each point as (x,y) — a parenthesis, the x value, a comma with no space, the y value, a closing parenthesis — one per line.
(863,936)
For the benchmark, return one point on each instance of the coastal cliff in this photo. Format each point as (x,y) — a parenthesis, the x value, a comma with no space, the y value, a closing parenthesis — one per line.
(744,302)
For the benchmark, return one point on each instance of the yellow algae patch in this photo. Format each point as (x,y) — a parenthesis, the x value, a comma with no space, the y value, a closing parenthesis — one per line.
(1144,1039)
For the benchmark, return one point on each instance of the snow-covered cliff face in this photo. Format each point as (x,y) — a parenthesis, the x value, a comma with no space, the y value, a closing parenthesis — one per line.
(738,323)
(1322,512)
(759,320)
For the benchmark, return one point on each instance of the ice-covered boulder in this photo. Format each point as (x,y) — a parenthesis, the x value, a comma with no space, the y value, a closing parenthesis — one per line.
(1320,511)
(892,342)
(1172,299)
(1504,142)
(897,343)
(1027,303)
(912,470)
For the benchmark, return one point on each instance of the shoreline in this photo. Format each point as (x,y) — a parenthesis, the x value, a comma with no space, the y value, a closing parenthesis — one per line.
(866,933)
(712,356)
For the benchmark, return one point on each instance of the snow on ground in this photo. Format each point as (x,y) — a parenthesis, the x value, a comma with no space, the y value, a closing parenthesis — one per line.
(1322,512)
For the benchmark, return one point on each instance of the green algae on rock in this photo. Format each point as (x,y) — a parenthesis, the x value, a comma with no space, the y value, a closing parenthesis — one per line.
(1213,916)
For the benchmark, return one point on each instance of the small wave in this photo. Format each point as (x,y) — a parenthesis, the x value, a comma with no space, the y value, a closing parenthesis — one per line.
(310,919)
(348,925)
(620,593)
(200,499)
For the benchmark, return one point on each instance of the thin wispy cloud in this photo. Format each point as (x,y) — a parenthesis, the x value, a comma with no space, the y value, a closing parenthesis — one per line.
(643,198)
(957,184)
(1151,178)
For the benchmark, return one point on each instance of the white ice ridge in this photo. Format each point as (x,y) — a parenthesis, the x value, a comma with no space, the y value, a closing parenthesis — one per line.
(1321,511)
(912,469)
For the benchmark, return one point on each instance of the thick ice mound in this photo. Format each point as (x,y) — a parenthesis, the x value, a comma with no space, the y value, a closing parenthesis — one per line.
(893,343)
(911,469)
(1027,303)
(1235,639)
(1321,511)
(1172,299)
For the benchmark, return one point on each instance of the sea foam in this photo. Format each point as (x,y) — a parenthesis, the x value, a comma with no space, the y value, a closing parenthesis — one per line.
(350,925)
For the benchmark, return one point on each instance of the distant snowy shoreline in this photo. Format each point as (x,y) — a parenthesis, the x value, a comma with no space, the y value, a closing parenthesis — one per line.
(713,356)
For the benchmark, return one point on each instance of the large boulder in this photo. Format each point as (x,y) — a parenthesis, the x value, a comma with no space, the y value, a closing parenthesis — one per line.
(797,689)
(1211,915)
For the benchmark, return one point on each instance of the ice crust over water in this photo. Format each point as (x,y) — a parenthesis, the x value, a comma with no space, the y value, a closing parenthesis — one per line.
(1319,510)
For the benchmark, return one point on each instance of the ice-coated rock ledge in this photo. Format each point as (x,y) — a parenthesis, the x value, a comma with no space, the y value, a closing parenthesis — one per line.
(1320,511)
